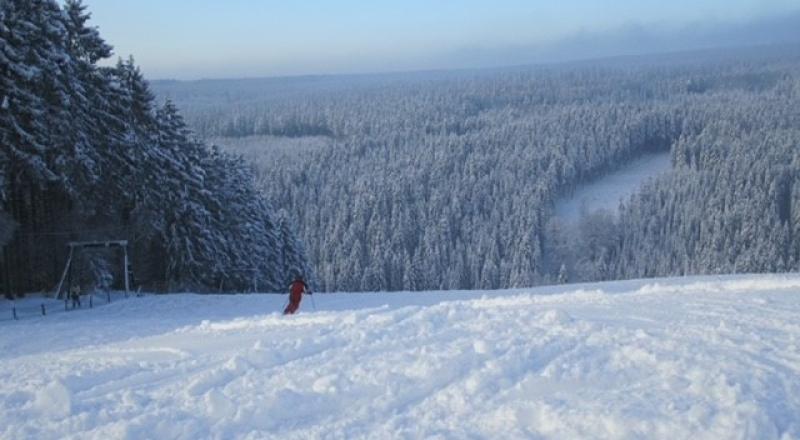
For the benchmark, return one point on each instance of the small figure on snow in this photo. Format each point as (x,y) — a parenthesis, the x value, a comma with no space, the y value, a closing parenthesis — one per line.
(296,291)
(75,295)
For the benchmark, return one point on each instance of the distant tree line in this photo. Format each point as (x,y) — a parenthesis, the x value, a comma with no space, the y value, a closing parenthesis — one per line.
(448,180)
(86,153)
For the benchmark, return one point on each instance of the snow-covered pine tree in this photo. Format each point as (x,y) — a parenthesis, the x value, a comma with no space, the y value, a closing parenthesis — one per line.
(84,42)
(193,254)
(31,52)
(293,261)
(84,151)
(251,237)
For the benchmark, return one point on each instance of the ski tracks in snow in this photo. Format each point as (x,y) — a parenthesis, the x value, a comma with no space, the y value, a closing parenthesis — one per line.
(669,359)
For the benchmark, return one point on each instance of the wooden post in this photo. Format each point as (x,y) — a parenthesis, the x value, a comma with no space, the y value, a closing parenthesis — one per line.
(6,271)
(127,274)
(67,269)
(14,309)
(44,312)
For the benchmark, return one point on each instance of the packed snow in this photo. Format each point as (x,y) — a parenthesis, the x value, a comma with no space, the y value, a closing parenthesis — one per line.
(700,358)
(608,191)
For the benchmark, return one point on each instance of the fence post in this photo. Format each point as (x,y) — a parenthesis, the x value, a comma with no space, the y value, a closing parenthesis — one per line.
(91,302)
(14,309)
(66,304)
(44,312)
(108,296)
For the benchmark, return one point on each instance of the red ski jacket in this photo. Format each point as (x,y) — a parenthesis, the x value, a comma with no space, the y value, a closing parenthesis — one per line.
(297,288)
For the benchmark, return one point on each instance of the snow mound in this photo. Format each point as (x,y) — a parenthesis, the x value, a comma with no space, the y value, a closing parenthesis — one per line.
(712,357)
(54,400)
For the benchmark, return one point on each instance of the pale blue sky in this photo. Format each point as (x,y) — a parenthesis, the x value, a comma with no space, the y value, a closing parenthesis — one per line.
(235,38)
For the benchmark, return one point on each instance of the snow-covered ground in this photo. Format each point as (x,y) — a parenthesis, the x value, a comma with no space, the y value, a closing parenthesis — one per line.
(700,358)
(609,190)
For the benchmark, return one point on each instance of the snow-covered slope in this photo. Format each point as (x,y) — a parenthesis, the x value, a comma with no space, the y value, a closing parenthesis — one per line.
(713,358)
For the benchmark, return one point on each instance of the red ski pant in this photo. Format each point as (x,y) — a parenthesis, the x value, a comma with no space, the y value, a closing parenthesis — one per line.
(294,303)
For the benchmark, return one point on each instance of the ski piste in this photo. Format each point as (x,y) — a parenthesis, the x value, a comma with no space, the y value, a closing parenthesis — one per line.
(698,357)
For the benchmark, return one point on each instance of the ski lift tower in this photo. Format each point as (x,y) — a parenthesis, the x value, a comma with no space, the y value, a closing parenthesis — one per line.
(80,245)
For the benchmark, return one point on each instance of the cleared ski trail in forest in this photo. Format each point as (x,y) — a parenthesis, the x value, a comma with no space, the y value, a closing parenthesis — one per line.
(606,192)
(699,358)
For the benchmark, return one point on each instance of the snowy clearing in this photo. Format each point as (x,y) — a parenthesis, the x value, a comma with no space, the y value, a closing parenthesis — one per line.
(609,190)
(701,358)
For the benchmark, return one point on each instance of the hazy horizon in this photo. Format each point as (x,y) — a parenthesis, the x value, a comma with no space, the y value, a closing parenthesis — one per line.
(241,39)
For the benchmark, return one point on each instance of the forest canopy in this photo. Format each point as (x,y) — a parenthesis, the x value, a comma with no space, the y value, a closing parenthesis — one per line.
(447,180)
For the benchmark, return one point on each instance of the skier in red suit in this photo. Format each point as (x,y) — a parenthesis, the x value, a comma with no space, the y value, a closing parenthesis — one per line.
(296,291)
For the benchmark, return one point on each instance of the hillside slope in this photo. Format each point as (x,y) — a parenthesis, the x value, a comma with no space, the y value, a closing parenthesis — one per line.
(671,358)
